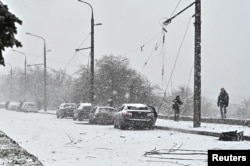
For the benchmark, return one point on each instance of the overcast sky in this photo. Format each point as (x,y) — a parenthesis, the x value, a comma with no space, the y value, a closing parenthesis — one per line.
(127,26)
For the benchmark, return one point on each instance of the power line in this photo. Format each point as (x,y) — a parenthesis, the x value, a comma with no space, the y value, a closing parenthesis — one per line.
(142,46)
(176,59)
(76,52)
(154,49)
(178,54)
(175,8)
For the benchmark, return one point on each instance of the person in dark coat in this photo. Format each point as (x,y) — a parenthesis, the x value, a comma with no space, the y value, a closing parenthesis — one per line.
(176,106)
(152,108)
(223,100)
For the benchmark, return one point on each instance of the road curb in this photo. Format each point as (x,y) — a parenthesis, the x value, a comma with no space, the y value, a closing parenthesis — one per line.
(207,133)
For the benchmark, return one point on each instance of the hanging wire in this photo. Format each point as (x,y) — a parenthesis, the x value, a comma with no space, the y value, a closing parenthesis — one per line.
(76,52)
(158,43)
(176,59)
(186,94)
(142,46)
(175,8)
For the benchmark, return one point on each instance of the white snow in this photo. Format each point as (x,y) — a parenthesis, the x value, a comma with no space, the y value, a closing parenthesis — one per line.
(64,142)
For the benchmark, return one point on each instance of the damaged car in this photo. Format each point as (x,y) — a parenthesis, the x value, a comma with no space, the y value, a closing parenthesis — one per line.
(134,116)
(82,111)
(66,110)
(102,115)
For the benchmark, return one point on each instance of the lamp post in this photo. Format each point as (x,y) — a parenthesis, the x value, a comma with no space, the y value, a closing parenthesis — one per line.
(45,72)
(25,72)
(91,54)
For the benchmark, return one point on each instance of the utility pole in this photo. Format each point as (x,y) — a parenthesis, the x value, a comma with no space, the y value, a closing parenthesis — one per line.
(45,69)
(197,68)
(92,60)
(92,48)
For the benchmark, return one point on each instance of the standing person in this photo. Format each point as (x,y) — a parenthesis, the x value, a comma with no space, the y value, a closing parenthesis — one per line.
(176,106)
(152,108)
(223,100)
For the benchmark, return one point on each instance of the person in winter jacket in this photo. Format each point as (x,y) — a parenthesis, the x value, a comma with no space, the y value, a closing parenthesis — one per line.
(223,100)
(176,106)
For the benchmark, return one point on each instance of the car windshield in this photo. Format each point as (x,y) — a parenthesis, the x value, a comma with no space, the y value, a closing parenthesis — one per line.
(106,110)
(137,108)
(69,106)
(87,108)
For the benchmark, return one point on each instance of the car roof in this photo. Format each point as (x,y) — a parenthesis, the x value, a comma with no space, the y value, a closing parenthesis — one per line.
(104,107)
(67,103)
(29,102)
(135,105)
(85,104)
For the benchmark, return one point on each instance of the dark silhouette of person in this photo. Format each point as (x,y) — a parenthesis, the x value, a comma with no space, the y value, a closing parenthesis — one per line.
(152,108)
(176,106)
(222,102)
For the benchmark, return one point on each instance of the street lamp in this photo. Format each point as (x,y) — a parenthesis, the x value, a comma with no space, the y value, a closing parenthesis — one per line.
(25,73)
(91,52)
(45,72)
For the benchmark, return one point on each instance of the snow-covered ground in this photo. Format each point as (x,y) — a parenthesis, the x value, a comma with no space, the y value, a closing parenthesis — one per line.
(64,142)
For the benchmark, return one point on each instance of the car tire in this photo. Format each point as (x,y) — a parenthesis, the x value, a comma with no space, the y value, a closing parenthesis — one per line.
(121,126)
(80,118)
(74,118)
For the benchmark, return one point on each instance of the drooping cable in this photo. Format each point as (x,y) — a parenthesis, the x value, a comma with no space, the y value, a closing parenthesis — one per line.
(76,52)
(142,46)
(158,43)
(176,59)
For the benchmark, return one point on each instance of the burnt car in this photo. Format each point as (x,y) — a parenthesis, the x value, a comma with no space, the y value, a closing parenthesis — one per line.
(134,116)
(82,111)
(102,115)
(66,110)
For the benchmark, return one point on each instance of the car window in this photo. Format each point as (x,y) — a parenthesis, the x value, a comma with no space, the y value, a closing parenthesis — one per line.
(69,106)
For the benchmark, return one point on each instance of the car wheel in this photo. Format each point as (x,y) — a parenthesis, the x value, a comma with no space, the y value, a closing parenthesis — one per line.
(121,126)
(74,118)
(80,118)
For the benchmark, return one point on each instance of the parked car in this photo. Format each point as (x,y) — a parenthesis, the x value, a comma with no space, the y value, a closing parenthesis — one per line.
(13,105)
(135,116)
(66,110)
(2,104)
(29,107)
(82,111)
(102,115)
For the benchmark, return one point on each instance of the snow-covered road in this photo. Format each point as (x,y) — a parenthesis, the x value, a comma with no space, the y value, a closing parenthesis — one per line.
(64,142)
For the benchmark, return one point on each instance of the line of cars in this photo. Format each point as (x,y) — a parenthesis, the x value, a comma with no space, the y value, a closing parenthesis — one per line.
(129,115)
(19,106)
